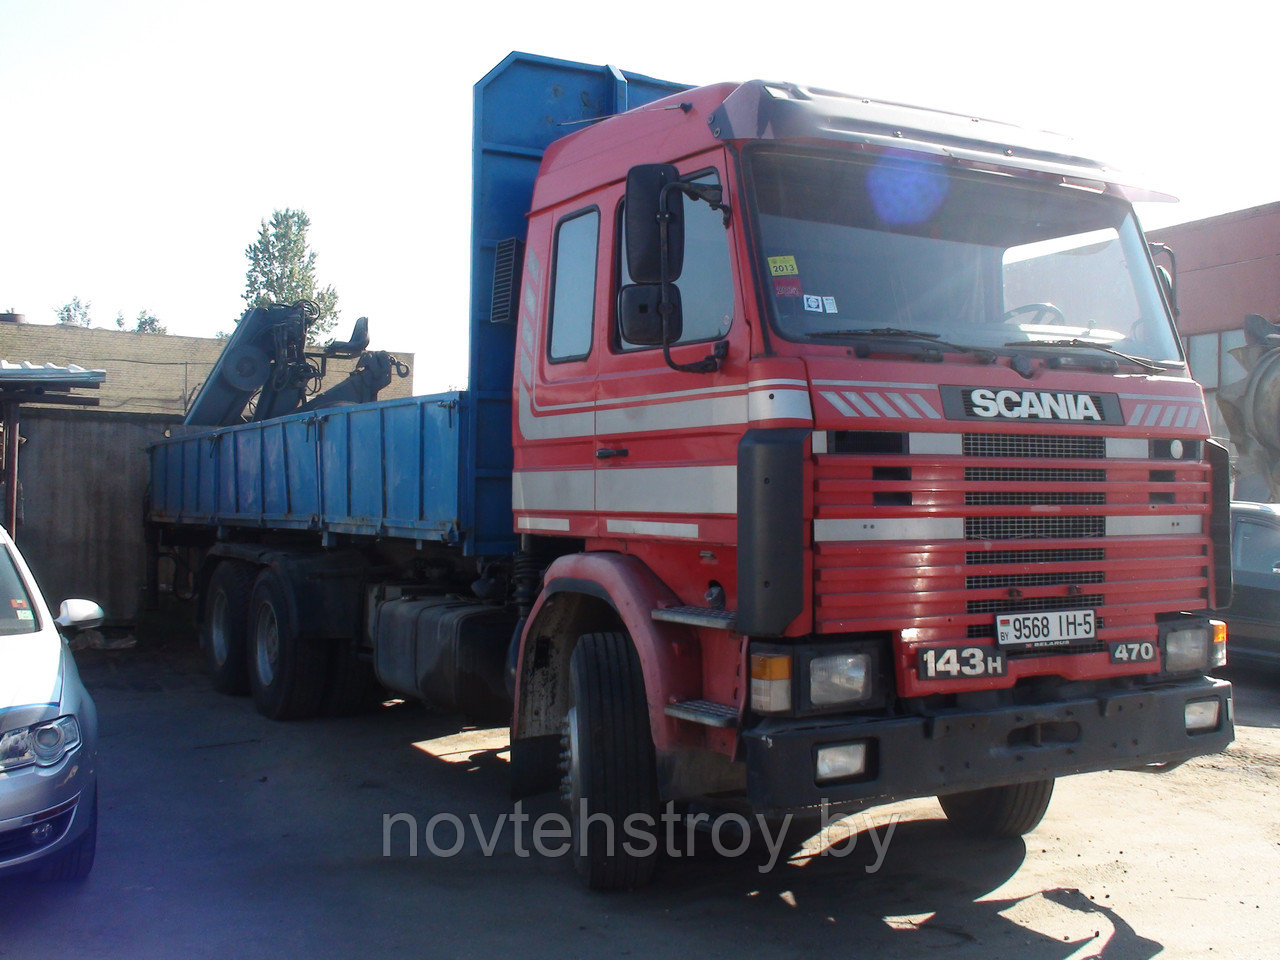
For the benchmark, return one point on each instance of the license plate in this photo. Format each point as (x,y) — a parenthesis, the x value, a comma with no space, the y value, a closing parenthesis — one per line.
(1051,628)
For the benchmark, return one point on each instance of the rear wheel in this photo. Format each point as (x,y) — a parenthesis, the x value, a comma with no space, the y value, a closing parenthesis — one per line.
(999,812)
(286,673)
(607,761)
(224,632)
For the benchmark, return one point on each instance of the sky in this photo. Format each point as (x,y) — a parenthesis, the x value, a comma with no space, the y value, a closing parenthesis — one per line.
(144,141)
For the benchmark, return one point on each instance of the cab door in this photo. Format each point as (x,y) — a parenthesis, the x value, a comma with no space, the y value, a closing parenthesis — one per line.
(666,440)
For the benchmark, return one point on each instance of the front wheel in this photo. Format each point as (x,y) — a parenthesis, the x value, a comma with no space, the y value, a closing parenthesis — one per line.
(607,760)
(999,812)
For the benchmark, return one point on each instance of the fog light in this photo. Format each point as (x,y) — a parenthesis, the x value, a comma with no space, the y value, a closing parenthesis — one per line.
(771,682)
(41,834)
(840,761)
(1202,715)
(1187,649)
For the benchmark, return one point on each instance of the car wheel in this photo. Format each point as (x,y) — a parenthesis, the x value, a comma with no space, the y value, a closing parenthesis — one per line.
(286,673)
(999,812)
(224,632)
(607,762)
(75,862)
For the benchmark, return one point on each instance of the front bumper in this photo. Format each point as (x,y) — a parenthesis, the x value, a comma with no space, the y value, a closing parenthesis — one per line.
(45,810)
(952,752)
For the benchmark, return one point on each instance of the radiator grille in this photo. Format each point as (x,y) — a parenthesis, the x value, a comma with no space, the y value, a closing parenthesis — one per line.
(1048,447)
(1087,555)
(1033,475)
(1034,604)
(1005,581)
(1034,498)
(1034,528)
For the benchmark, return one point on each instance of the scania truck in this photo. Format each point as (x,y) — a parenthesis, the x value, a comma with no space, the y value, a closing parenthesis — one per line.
(816,451)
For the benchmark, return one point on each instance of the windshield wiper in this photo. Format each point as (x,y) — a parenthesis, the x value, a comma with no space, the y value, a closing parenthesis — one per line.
(1152,366)
(896,333)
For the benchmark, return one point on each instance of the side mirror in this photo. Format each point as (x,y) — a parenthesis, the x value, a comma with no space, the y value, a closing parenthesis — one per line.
(644,218)
(640,314)
(79,615)
(1166,284)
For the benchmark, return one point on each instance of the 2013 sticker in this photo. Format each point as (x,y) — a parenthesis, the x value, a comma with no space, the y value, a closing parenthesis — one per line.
(783,267)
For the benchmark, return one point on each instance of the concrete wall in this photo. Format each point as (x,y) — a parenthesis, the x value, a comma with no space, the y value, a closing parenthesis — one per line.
(84,476)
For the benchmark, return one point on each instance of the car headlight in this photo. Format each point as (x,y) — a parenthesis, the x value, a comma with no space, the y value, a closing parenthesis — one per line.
(839,678)
(43,744)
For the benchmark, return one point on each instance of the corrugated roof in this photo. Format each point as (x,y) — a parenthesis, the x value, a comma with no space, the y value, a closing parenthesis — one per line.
(47,374)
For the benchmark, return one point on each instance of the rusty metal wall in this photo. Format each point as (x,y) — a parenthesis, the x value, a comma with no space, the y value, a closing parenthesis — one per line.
(83,476)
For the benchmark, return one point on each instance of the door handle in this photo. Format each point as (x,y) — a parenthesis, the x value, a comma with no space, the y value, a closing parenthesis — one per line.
(608,453)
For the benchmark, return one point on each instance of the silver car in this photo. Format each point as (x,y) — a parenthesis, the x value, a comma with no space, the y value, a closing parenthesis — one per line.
(48,732)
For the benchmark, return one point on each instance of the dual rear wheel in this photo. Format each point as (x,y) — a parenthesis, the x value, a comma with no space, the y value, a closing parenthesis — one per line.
(253,645)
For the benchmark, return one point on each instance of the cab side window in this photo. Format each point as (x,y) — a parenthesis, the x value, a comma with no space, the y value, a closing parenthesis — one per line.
(706,282)
(574,286)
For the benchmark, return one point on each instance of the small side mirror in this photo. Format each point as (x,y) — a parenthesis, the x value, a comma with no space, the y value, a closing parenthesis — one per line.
(644,220)
(1166,284)
(640,314)
(79,615)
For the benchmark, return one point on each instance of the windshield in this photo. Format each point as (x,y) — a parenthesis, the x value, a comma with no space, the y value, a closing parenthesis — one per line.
(16,613)
(979,259)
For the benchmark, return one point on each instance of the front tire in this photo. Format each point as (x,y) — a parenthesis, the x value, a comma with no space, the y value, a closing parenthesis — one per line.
(609,779)
(224,633)
(286,673)
(999,813)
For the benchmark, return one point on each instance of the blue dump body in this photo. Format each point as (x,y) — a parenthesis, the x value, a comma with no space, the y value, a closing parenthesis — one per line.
(432,468)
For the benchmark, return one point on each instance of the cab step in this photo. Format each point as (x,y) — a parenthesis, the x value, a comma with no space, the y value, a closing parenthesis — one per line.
(711,617)
(704,712)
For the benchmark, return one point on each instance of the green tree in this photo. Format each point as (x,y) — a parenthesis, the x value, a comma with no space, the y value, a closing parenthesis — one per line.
(282,269)
(147,323)
(75,313)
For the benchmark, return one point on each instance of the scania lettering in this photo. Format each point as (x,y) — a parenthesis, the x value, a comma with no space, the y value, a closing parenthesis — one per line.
(817,452)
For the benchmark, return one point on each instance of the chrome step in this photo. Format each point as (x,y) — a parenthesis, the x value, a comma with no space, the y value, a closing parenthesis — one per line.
(698,617)
(704,712)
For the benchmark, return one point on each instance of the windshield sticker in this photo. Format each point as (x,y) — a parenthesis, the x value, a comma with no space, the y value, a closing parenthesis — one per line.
(813,304)
(18,604)
(783,267)
(787,287)
(829,303)
(25,615)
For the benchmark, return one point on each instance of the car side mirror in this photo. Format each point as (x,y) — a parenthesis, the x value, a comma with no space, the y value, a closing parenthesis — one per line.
(640,314)
(79,615)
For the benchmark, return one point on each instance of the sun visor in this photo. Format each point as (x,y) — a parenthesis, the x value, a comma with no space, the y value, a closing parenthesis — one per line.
(759,110)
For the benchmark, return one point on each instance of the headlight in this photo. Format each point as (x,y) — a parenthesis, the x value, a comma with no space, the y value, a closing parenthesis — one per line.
(43,744)
(839,678)
(1188,649)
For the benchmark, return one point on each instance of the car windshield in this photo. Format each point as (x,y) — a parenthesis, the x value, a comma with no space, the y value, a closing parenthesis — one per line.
(981,259)
(17,615)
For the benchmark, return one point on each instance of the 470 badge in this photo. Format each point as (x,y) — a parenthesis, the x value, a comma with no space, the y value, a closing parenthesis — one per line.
(959,662)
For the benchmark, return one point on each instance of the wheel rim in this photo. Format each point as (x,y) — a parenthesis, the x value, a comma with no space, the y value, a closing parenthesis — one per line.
(218,628)
(267,645)
(571,761)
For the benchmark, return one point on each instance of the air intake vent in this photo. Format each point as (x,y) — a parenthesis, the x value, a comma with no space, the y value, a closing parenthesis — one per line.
(1035,498)
(508,258)
(1049,447)
(1033,475)
(1034,604)
(1087,555)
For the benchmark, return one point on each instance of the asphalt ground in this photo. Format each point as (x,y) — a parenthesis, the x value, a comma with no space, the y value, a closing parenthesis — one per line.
(224,834)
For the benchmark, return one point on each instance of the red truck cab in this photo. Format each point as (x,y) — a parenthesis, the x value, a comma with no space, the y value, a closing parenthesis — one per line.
(870,464)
